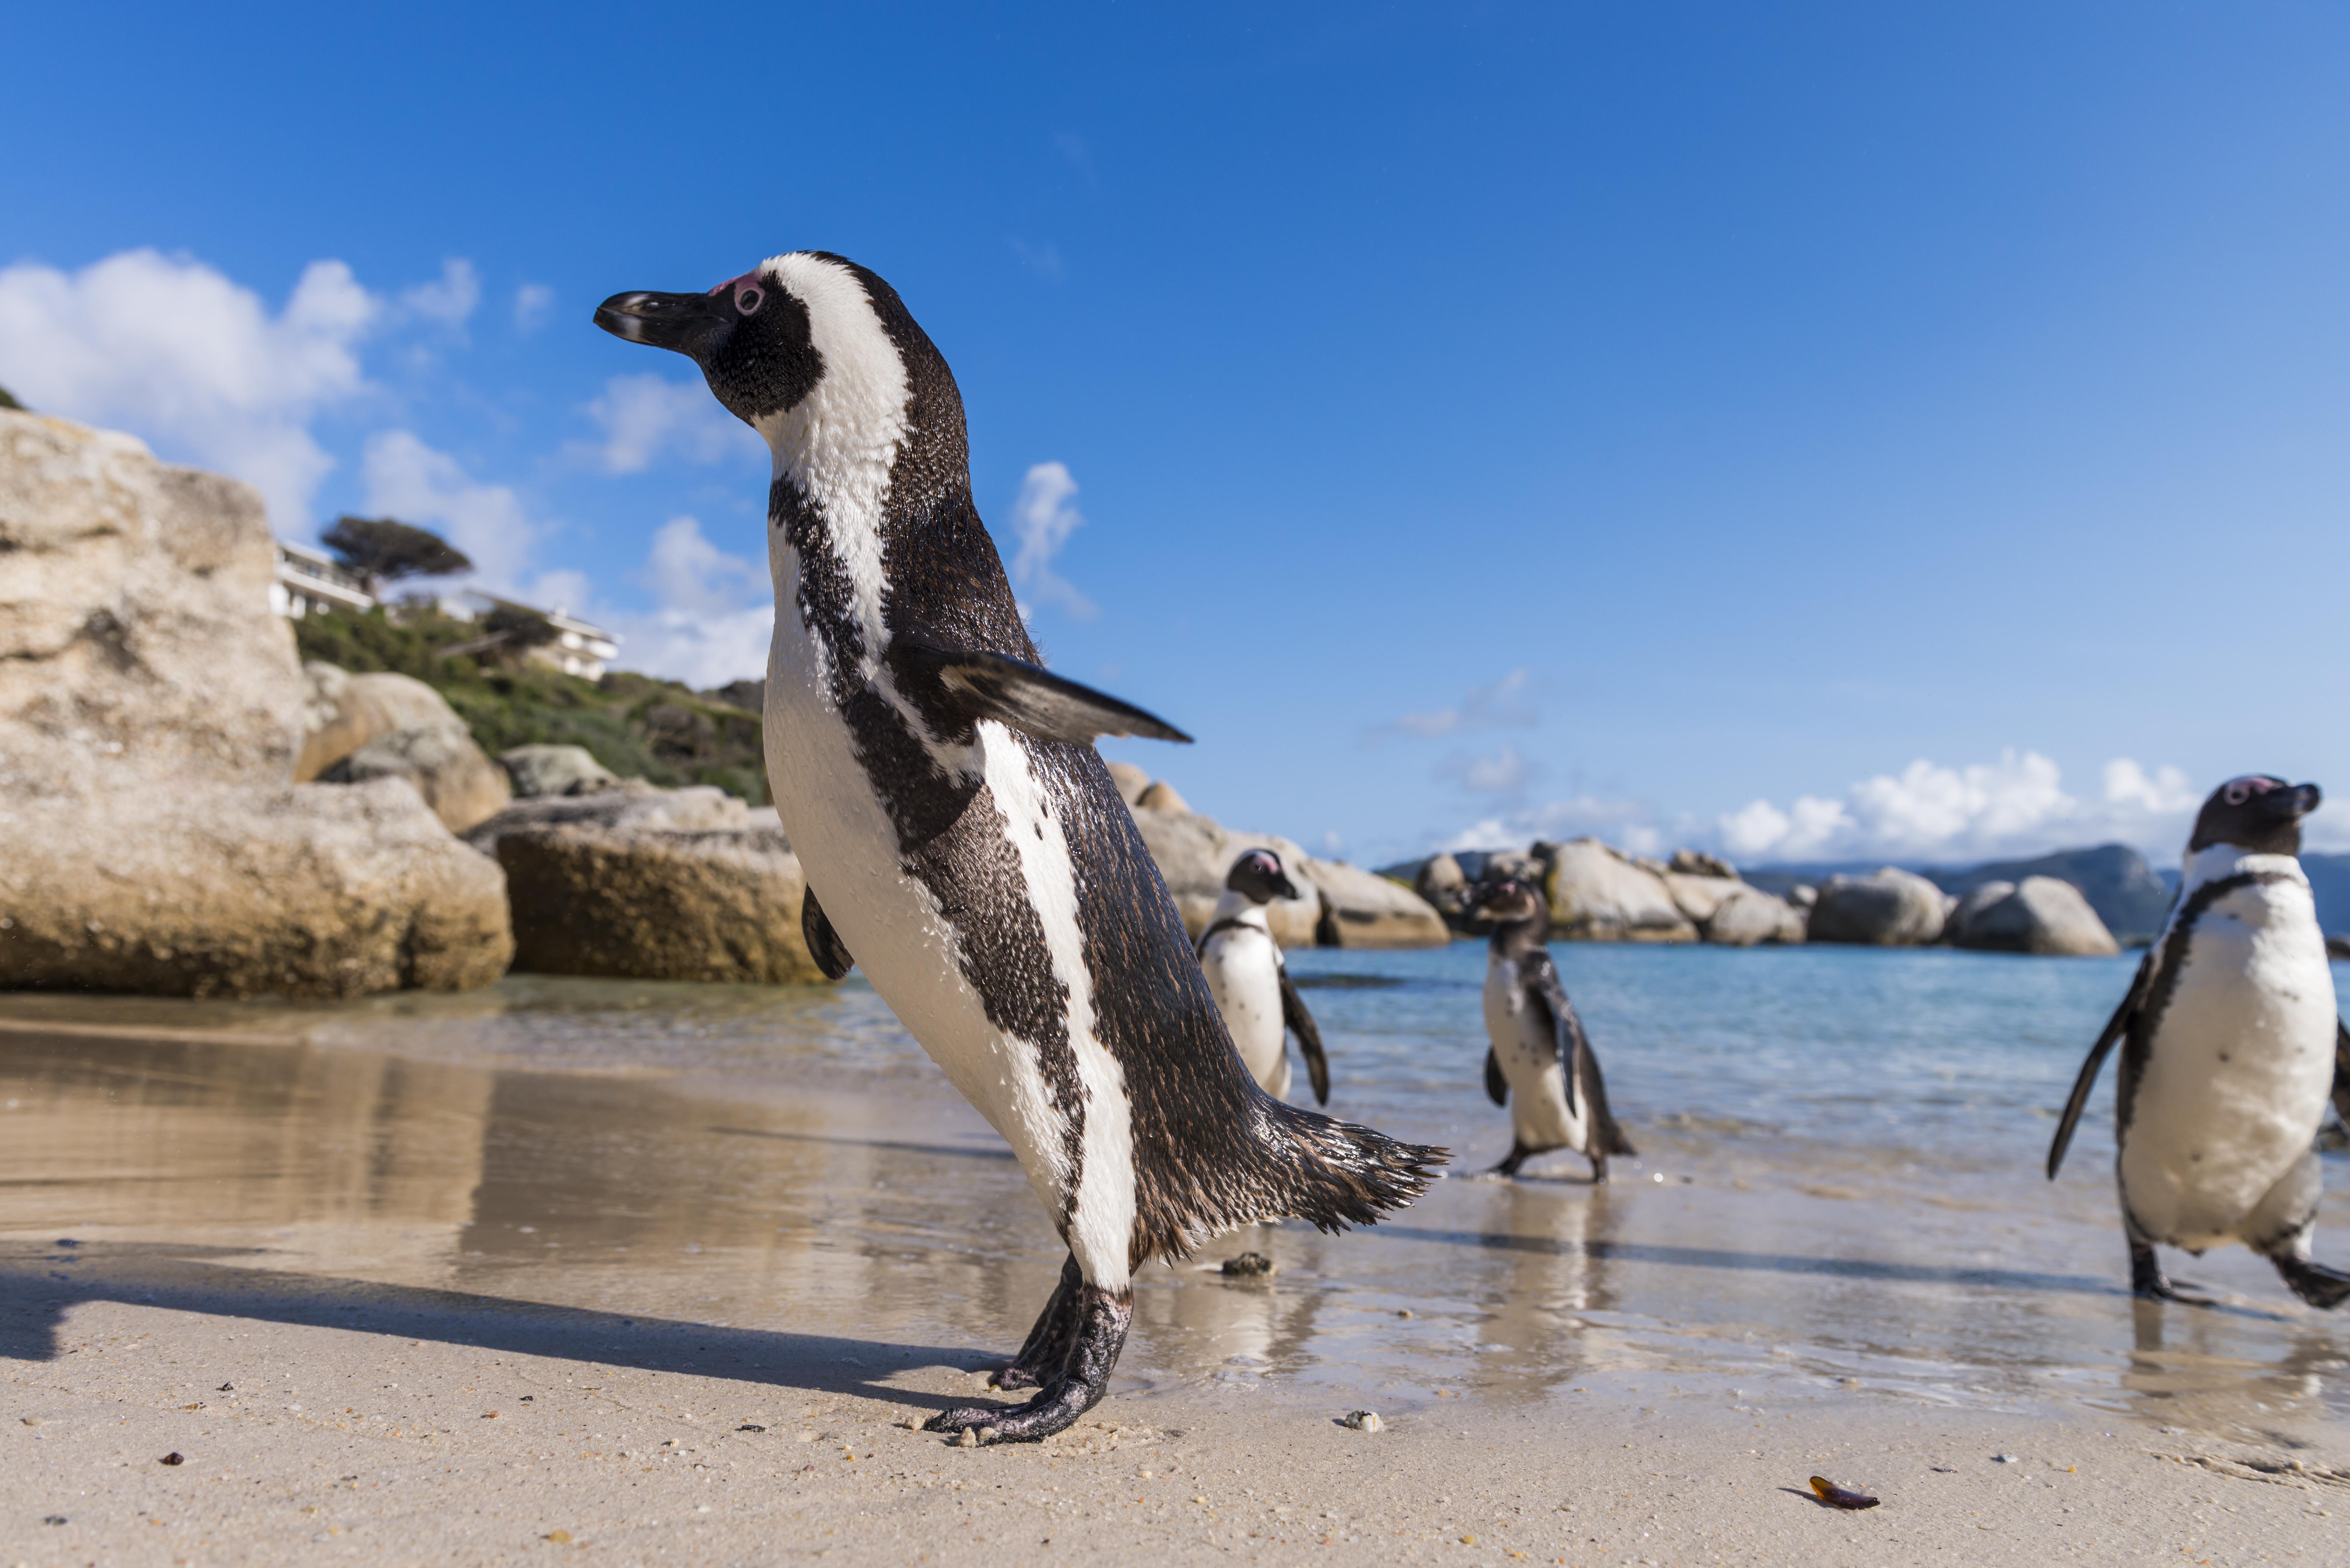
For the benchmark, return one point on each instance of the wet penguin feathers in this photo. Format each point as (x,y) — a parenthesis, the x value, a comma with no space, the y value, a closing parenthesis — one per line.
(1016,885)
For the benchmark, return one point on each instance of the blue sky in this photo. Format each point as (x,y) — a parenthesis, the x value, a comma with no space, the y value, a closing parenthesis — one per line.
(1804,430)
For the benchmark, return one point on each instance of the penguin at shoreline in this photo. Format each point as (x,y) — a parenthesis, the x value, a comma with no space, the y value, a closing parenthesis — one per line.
(1539,1051)
(2231,1048)
(968,849)
(1251,980)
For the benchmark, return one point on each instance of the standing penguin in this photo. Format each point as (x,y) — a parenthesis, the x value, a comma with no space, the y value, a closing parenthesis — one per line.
(1539,1051)
(1250,982)
(972,853)
(2231,1046)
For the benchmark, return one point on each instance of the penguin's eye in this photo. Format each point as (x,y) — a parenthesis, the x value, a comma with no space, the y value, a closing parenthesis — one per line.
(2237,793)
(747,299)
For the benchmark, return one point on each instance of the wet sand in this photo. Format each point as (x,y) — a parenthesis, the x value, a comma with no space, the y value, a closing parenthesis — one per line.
(483,1271)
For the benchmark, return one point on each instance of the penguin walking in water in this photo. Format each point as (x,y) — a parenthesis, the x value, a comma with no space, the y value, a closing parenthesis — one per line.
(2231,1048)
(1250,982)
(1539,1051)
(963,840)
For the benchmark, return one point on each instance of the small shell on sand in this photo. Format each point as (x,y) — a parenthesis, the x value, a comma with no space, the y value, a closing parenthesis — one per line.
(1363,1421)
(967,1438)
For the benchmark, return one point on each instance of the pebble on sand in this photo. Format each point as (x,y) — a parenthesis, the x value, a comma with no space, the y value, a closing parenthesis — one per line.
(1363,1421)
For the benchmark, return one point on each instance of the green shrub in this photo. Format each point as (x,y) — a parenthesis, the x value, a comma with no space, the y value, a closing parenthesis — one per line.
(637,726)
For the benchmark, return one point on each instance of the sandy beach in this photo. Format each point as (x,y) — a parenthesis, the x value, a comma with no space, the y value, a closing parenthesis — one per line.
(671,1277)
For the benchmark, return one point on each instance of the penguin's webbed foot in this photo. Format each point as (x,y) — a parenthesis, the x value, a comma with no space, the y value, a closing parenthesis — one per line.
(2314,1283)
(1047,1345)
(2149,1283)
(1518,1155)
(1102,1318)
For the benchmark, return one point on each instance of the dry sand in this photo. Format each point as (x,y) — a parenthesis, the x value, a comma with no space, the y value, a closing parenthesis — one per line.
(435,1429)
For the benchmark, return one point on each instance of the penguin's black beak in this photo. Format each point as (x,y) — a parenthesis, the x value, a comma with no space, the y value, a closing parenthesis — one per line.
(2294,804)
(1285,888)
(687,324)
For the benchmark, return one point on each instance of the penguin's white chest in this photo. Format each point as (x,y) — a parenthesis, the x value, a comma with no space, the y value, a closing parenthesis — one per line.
(2237,1071)
(1528,1051)
(912,955)
(1243,968)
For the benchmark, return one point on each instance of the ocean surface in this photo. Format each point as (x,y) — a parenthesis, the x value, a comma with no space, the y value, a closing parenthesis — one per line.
(1838,1188)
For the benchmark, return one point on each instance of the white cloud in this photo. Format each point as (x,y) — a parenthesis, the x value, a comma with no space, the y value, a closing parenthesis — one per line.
(1629,825)
(450,299)
(2016,807)
(412,481)
(1487,707)
(1044,260)
(713,617)
(173,351)
(533,302)
(1044,520)
(1505,772)
(644,416)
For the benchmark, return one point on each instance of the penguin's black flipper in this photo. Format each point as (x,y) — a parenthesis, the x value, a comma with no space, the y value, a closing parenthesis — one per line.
(1607,1138)
(2342,1070)
(824,943)
(1300,1023)
(1497,1084)
(2116,1026)
(1027,697)
(1539,976)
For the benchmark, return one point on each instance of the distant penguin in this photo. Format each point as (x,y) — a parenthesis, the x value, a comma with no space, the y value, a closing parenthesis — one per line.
(1250,982)
(1539,1051)
(972,853)
(2231,1048)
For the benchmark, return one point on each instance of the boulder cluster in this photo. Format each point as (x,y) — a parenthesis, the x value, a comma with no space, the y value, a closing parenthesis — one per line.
(1338,905)
(1599,893)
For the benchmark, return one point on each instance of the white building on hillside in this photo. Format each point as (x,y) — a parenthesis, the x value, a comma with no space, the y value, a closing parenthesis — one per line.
(308,580)
(580,648)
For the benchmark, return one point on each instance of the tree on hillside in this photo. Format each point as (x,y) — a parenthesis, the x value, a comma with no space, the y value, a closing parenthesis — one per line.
(510,632)
(8,399)
(381,550)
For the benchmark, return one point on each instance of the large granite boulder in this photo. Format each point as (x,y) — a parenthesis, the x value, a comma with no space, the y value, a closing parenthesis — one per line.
(441,763)
(640,900)
(1598,895)
(304,890)
(2038,915)
(1363,909)
(1887,909)
(1131,781)
(1748,917)
(152,714)
(555,770)
(631,804)
(1696,895)
(1338,905)
(343,712)
(137,647)
(1443,886)
(1194,854)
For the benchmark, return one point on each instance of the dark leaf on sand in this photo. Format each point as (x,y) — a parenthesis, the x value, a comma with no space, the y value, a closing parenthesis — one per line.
(1835,1496)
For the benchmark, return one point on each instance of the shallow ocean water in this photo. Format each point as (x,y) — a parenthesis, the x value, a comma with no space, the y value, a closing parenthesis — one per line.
(1838,1188)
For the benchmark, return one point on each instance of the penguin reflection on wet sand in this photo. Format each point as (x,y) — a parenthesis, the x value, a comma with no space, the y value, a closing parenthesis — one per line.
(2231,1048)
(1539,1053)
(1250,982)
(963,840)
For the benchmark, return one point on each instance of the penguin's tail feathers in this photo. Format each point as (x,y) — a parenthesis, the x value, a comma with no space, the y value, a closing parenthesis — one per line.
(1298,1165)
